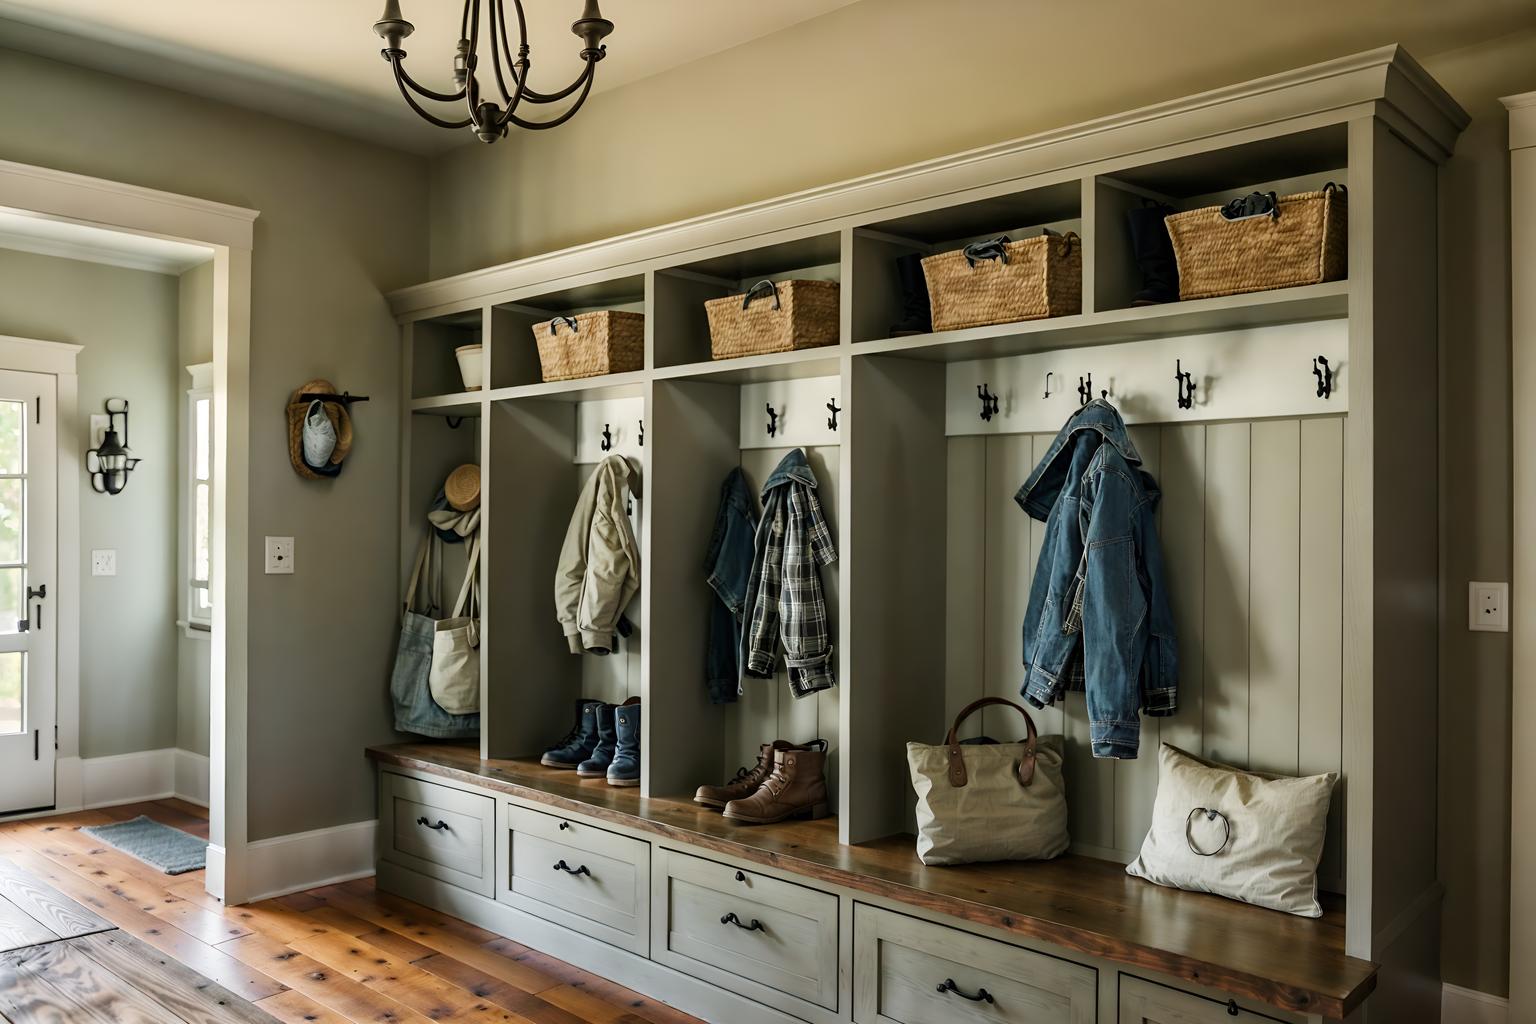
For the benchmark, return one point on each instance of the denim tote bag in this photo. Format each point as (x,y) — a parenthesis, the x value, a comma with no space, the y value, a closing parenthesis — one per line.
(410,684)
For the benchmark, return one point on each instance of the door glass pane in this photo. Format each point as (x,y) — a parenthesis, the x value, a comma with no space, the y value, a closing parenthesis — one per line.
(203,433)
(13,417)
(10,693)
(10,599)
(201,551)
(11,491)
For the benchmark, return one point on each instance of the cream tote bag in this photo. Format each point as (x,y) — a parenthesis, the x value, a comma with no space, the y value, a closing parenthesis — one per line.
(455,677)
(983,802)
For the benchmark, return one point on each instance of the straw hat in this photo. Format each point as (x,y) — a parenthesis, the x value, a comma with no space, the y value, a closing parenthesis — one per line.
(341,421)
(462,488)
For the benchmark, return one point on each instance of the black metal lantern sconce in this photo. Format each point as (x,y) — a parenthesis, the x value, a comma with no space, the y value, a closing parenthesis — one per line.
(110,462)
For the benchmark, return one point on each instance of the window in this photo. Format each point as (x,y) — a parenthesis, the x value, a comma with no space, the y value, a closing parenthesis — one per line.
(198,528)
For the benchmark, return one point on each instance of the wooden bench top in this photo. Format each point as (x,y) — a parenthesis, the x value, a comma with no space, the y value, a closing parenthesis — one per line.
(1075,902)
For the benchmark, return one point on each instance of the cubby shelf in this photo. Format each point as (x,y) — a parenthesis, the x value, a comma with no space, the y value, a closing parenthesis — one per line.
(772,366)
(465,403)
(584,389)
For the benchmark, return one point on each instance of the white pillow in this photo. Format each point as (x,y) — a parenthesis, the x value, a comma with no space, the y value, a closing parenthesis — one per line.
(1244,835)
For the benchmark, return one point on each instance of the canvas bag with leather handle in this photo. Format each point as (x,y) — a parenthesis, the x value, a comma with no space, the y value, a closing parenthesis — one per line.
(989,801)
(455,676)
(410,685)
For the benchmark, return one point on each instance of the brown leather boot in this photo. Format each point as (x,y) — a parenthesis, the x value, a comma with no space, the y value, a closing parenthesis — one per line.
(797,788)
(746,781)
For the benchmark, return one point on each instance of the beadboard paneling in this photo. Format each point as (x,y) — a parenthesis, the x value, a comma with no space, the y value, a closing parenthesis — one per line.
(1252,527)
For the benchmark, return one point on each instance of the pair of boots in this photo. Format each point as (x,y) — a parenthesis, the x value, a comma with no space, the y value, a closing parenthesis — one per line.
(788,781)
(1153,250)
(605,743)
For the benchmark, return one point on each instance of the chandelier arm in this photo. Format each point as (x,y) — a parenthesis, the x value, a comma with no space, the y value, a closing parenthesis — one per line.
(585,81)
(422,90)
(404,91)
(522,39)
(497,35)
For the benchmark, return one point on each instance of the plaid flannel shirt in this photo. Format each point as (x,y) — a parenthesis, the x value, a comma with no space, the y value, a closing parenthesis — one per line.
(785,602)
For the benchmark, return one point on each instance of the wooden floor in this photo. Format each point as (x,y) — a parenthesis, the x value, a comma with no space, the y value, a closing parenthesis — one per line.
(129,945)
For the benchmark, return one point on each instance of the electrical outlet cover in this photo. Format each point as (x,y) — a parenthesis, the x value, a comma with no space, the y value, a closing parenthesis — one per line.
(279,556)
(104,562)
(1488,607)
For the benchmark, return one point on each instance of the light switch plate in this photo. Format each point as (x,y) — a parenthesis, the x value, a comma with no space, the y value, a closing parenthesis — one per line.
(279,556)
(1488,607)
(104,562)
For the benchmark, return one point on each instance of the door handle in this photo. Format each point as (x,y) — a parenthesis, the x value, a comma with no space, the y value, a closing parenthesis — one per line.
(33,594)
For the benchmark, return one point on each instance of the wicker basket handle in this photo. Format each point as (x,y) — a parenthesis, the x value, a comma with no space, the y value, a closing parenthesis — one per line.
(568,321)
(759,289)
(991,249)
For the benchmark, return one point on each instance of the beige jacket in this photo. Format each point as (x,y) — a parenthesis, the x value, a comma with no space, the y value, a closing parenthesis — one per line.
(599,563)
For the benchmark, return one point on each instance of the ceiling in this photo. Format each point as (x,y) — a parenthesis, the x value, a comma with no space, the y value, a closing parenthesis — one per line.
(317,61)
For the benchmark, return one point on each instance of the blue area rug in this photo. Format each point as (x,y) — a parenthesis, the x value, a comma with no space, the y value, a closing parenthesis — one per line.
(160,846)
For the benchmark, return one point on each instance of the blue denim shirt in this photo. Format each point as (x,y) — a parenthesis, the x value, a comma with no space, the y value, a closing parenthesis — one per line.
(728,564)
(1099,617)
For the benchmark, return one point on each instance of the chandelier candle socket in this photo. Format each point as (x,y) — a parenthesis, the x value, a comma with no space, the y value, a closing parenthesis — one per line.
(486,117)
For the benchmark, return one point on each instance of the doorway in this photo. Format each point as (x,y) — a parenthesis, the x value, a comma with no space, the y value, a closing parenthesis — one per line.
(29,528)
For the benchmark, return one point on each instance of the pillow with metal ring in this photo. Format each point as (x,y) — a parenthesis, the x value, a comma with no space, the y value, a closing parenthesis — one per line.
(1245,835)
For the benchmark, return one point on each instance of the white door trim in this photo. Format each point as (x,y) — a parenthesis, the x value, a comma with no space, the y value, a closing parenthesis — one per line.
(226,232)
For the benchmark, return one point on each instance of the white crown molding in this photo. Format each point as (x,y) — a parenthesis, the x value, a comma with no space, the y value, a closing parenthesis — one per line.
(93,254)
(1522,119)
(308,860)
(37,356)
(1386,78)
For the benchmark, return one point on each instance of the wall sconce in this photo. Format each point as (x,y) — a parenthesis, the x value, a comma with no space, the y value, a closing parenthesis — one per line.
(110,462)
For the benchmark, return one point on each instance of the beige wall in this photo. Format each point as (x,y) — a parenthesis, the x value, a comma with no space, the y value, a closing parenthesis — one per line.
(886,82)
(340,222)
(126,319)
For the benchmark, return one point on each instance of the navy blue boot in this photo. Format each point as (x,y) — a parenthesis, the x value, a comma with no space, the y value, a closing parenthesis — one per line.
(579,742)
(625,769)
(596,766)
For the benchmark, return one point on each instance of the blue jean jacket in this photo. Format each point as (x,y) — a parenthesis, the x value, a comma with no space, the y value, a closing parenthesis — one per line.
(728,565)
(1099,617)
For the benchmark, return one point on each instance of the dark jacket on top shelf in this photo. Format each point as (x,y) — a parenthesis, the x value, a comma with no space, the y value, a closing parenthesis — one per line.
(1099,617)
(729,567)
(784,596)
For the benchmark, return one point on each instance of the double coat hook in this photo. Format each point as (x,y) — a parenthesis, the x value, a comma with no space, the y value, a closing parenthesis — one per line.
(1084,389)
(1186,385)
(607,438)
(1324,377)
(832,407)
(773,419)
(989,402)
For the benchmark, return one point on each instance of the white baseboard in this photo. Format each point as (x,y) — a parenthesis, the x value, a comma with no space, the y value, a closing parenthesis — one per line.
(305,860)
(127,778)
(1468,1006)
(191,777)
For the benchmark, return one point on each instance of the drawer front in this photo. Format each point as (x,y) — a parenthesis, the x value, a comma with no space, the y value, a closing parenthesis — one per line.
(1142,1002)
(909,971)
(586,878)
(767,939)
(438,831)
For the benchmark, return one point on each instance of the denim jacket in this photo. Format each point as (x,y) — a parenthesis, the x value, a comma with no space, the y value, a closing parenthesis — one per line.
(1099,617)
(785,601)
(729,565)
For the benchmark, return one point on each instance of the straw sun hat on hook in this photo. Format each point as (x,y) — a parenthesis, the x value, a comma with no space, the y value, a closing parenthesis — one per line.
(314,439)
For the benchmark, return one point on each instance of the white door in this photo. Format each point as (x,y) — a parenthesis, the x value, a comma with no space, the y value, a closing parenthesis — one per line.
(28,589)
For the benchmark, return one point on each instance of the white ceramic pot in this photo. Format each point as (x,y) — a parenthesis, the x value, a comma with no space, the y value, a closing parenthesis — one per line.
(471,366)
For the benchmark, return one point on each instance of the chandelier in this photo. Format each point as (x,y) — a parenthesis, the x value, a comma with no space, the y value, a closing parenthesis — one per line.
(487,117)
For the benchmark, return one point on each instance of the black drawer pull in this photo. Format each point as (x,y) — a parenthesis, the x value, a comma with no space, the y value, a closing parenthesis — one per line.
(740,877)
(1232,1007)
(981,996)
(755,926)
(564,825)
(563,866)
(441,826)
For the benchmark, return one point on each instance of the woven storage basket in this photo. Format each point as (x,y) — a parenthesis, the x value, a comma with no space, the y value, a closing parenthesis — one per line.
(590,344)
(773,317)
(1001,281)
(1306,241)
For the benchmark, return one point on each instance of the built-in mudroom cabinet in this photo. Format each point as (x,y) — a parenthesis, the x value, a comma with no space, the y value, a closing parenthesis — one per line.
(1298,526)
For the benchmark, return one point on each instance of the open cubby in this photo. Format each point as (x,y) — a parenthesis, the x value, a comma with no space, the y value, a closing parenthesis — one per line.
(703,430)
(681,328)
(878,245)
(1284,164)
(514,350)
(434,367)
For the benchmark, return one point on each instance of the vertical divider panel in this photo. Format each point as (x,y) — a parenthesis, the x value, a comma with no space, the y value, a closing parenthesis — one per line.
(691,444)
(894,576)
(1227,494)
(1274,687)
(531,678)
(965,567)
(1183,483)
(1008,570)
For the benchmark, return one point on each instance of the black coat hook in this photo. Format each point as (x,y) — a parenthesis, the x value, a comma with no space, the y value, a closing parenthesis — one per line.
(834,410)
(1048,374)
(989,402)
(1084,389)
(607,439)
(1324,377)
(773,420)
(454,422)
(642,433)
(1186,384)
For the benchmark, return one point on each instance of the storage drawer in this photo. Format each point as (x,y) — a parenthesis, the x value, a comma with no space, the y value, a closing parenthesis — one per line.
(578,875)
(773,941)
(909,971)
(438,831)
(1142,1002)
